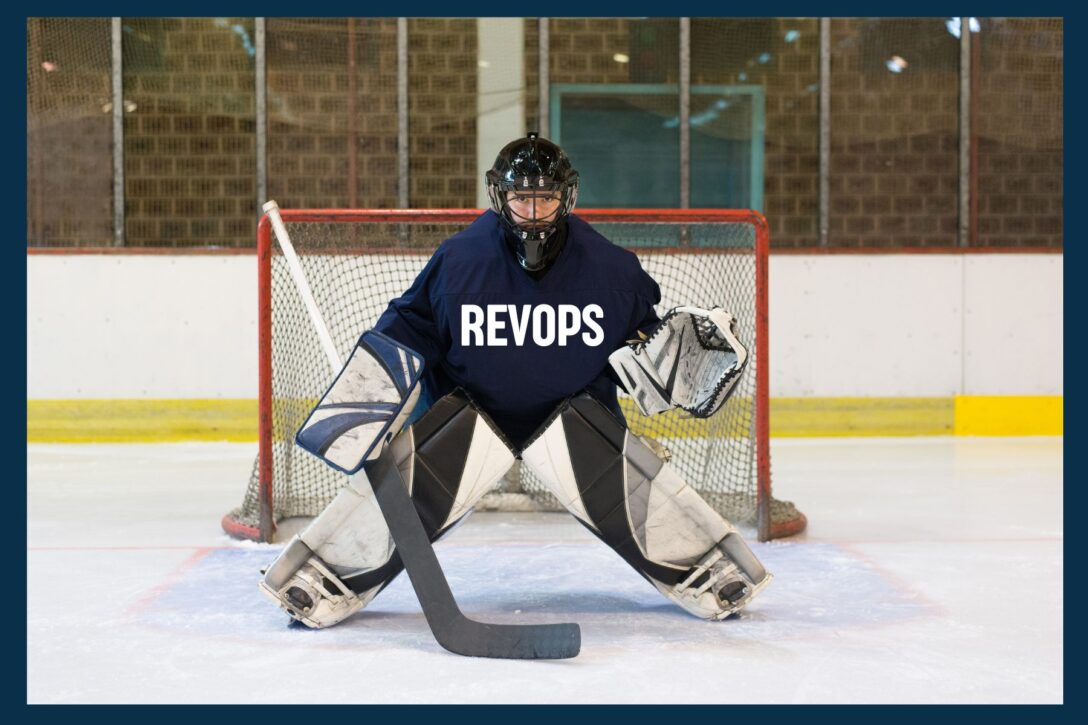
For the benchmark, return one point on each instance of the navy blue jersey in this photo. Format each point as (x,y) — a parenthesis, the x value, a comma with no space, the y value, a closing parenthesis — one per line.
(520,345)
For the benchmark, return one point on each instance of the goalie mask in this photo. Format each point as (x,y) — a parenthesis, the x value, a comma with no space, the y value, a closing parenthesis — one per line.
(533,187)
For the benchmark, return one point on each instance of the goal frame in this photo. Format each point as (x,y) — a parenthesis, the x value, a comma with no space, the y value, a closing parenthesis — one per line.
(266,529)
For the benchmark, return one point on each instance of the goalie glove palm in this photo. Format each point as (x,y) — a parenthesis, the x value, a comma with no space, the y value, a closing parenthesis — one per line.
(692,360)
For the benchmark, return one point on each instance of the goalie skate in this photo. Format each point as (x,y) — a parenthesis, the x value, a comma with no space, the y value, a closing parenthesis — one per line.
(716,587)
(313,594)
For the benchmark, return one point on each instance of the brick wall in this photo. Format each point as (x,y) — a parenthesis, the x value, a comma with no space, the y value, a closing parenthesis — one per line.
(324,149)
(69,164)
(190,155)
(190,152)
(442,112)
(311,135)
(894,136)
(1018,127)
(581,50)
(532,76)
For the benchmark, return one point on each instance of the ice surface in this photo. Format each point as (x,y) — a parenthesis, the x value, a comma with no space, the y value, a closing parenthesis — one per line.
(932,572)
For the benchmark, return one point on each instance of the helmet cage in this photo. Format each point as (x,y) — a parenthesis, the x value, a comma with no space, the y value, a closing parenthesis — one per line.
(525,228)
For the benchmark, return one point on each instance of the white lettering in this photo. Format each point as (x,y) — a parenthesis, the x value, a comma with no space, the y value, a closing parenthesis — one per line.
(597,336)
(548,325)
(494,324)
(543,332)
(569,322)
(472,321)
(519,326)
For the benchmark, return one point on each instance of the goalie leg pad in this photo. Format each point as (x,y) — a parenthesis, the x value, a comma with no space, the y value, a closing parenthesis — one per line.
(635,502)
(449,459)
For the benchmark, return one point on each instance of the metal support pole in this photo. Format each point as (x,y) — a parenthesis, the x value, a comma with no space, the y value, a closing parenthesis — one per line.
(402,112)
(543,108)
(825,131)
(118,107)
(261,62)
(353,113)
(963,237)
(685,113)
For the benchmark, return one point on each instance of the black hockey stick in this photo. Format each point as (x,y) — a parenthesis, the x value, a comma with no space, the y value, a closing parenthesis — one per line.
(450,627)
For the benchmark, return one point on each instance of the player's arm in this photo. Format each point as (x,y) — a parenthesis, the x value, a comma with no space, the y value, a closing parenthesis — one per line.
(410,319)
(644,318)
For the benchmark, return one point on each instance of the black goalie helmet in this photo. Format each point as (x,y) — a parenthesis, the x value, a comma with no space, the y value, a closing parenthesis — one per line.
(533,187)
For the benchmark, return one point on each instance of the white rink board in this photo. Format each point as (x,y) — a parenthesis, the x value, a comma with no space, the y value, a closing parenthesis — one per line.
(882,326)
(1013,324)
(142,326)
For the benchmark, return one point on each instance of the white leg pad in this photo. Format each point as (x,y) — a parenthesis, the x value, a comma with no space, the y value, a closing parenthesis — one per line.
(637,503)
(449,459)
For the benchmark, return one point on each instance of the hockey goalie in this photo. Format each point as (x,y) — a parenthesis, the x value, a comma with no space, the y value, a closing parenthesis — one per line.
(510,344)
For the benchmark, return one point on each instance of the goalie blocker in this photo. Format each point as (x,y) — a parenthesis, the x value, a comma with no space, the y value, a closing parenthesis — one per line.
(636,503)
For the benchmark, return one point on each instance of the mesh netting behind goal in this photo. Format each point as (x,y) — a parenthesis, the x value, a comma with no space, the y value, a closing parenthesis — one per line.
(357,261)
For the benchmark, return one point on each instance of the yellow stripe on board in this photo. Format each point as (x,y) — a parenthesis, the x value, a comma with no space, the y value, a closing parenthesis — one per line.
(677,423)
(156,421)
(1009,415)
(140,421)
(816,417)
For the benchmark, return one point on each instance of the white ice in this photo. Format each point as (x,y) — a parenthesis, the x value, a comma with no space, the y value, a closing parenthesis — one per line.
(931,572)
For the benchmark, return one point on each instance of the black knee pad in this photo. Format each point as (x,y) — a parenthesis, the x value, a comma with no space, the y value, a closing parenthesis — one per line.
(448,459)
(607,462)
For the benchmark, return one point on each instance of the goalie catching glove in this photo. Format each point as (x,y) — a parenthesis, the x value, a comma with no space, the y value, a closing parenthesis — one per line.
(692,360)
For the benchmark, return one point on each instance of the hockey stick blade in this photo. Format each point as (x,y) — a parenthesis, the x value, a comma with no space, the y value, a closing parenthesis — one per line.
(453,630)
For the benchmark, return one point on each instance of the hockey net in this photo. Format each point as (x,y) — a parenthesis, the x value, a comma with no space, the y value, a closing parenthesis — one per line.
(357,261)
